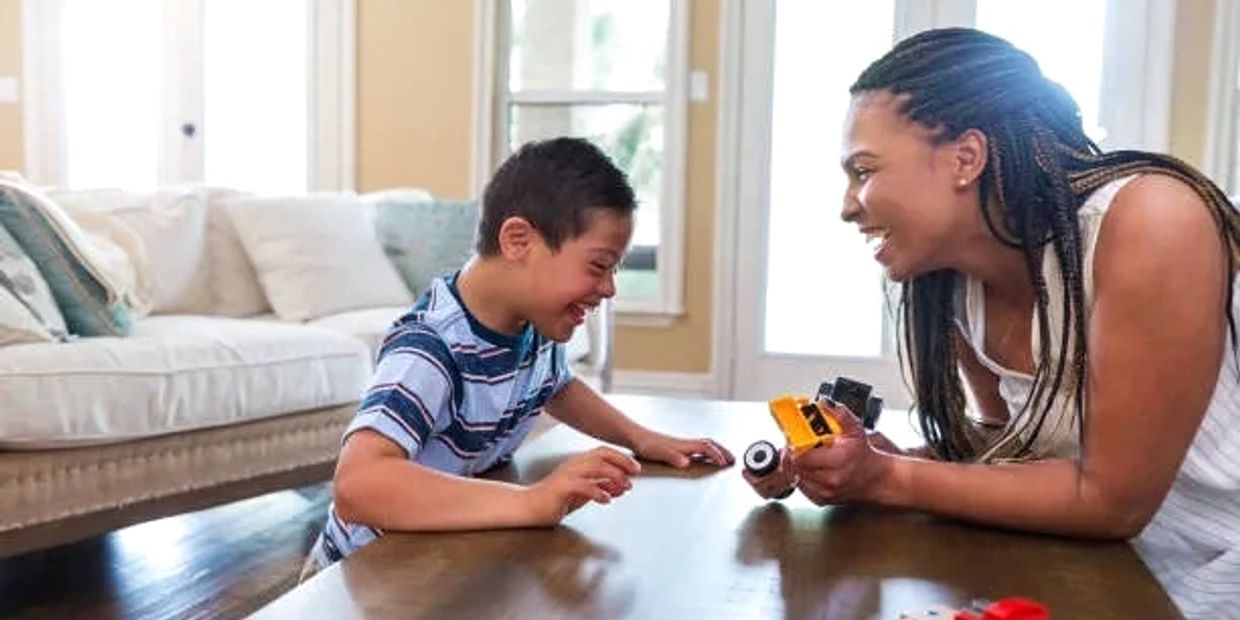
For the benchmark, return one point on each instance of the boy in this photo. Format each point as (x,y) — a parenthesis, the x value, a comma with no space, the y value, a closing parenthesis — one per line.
(460,378)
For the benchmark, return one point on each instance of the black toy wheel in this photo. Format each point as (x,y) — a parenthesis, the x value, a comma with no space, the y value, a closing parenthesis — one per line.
(761,458)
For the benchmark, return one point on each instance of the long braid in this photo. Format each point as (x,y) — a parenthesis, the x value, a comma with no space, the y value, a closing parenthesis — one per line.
(1041,168)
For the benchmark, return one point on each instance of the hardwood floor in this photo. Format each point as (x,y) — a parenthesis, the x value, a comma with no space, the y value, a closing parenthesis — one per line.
(224,562)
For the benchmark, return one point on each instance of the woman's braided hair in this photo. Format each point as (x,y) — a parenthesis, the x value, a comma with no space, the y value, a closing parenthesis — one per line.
(1041,168)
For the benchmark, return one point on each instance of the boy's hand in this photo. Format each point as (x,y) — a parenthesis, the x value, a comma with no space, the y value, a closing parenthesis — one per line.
(679,453)
(598,475)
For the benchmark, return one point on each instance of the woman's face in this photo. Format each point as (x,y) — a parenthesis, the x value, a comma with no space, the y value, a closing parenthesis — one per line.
(915,200)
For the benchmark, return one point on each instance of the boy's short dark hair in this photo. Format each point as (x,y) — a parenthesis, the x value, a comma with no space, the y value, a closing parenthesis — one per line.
(553,184)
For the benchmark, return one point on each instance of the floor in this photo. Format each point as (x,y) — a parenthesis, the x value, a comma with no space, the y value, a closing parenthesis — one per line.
(220,563)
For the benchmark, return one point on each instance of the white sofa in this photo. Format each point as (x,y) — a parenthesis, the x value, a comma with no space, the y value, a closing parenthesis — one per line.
(211,398)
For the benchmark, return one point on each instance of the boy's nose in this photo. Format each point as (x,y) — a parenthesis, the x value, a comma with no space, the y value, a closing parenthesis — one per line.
(607,288)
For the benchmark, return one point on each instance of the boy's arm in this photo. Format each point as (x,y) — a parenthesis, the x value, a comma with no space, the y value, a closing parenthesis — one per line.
(580,407)
(377,485)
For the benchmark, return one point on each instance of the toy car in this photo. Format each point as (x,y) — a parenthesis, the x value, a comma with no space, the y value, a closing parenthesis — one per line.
(805,424)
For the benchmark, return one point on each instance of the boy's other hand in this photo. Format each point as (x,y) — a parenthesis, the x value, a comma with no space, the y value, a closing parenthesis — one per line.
(598,475)
(679,453)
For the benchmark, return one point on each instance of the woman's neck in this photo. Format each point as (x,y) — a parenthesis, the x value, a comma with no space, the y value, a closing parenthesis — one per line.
(1002,269)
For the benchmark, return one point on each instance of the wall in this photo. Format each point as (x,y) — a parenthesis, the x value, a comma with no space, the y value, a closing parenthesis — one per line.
(1194,35)
(11,156)
(415,94)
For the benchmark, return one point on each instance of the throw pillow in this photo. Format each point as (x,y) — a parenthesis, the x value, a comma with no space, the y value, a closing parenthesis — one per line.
(83,272)
(171,224)
(316,255)
(235,289)
(28,312)
(426,238)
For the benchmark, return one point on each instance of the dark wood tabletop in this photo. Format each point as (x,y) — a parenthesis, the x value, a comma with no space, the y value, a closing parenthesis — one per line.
(701,544)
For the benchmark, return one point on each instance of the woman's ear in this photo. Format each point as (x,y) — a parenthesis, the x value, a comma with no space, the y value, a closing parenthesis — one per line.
(516,238)
(972,151)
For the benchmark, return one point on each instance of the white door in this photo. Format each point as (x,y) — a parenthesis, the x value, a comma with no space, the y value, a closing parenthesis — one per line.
(810,299)
(248,94)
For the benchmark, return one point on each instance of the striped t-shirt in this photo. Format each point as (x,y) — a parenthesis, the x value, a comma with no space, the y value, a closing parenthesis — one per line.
(456,396)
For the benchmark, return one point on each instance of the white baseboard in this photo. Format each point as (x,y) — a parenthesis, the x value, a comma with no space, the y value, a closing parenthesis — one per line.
(681,384)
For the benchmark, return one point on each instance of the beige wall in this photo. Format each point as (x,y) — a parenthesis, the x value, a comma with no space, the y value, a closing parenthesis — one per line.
(11,157)
(1194,35)
(415,94)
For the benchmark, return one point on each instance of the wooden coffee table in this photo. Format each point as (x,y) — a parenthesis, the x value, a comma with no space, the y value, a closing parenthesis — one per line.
(701,544)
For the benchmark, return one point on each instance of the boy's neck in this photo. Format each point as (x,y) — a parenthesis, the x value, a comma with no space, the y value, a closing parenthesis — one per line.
(485,289)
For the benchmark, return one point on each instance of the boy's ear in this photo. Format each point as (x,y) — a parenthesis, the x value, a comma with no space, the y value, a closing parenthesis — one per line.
(516,238)
(972,150)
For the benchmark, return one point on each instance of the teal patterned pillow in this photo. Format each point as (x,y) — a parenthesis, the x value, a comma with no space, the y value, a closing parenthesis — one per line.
(82,299)
(35,315)
(426,238)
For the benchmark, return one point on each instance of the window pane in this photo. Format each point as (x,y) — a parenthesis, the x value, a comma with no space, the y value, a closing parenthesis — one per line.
(256,57)
(823,287)
(617,45)
(1066,38)
(113,89)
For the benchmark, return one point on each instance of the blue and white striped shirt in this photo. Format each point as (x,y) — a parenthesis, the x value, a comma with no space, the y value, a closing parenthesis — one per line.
(456,396)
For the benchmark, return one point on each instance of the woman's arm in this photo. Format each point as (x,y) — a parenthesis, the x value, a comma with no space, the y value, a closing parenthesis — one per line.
(1155,349)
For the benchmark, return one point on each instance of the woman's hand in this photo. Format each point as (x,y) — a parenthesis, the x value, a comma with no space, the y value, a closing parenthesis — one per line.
(848,469)
(777,484)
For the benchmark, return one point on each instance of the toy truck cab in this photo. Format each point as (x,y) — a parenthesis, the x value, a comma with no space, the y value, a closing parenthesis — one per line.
(804,424)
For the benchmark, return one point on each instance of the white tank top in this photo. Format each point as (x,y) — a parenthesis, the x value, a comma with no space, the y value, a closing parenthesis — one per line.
(1192,545)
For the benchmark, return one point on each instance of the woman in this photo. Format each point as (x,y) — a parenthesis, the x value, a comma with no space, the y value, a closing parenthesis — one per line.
(1088,299)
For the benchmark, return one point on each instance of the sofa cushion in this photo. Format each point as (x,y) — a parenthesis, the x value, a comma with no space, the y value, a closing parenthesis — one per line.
(316,255)
(368,326)
(175,373)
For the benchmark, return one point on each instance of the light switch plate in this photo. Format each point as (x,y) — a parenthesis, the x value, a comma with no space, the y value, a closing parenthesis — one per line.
(8,90)
(699,86)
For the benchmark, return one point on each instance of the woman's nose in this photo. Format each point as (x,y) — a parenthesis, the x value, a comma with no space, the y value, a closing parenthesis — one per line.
(851,209)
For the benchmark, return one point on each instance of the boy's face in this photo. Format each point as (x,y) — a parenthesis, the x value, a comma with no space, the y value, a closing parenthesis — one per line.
(563,285)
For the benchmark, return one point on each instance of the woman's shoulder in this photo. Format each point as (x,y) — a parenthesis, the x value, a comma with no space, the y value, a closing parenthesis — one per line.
(1157,228)
(1158,212)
